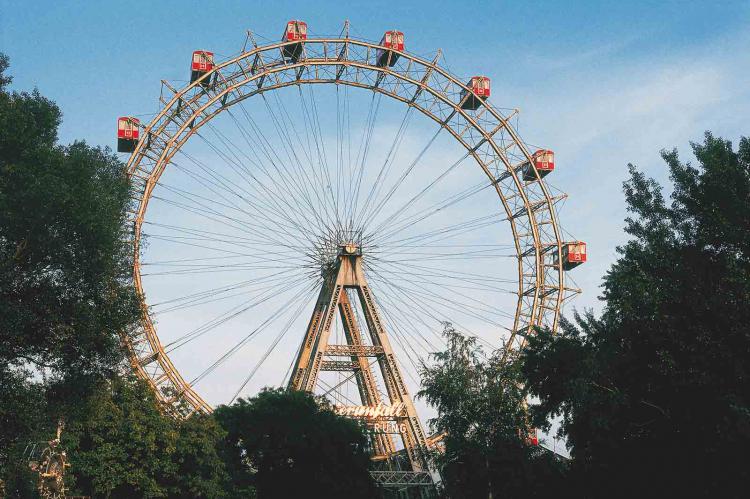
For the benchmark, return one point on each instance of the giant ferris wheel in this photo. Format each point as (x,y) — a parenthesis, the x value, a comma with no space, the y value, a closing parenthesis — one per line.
(309,212)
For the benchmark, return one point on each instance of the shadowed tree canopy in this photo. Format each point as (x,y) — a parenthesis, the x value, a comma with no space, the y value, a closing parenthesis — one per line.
(125,447)
(655,394)
(291,444)
(481,411)
(64,266)
(64,261)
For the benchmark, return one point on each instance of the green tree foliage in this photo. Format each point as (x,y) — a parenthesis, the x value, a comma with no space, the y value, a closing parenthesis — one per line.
(201,472)
(64,261)
(481,410)
(64,266)
(20,400)
(655,394)
(127,448)
(291,444)
(20,403)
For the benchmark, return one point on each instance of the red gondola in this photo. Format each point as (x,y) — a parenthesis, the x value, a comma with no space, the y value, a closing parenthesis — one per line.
(544,163)
(573,254)
(127,133)
(391,41)
(202,63)
(480,90)
(533,438)
(296,31)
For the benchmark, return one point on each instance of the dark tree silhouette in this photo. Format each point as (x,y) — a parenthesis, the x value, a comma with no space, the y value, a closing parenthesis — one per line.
(291,444)
(64,266)
(655,394)
(481,411)
(125,447)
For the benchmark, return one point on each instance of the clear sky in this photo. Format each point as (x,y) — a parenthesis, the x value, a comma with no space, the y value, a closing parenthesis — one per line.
(603,83)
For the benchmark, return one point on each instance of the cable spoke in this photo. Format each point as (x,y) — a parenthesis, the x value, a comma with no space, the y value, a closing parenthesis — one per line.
(250,218)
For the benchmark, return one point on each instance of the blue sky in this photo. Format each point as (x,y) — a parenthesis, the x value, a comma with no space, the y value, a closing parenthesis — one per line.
(603,83)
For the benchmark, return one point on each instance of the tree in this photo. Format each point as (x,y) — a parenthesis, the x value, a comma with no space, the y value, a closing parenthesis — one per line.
(65,301)
(20,403)
(481,411)
(201,472)
(127,448)
(655,394)
(291,444)
(64,297)
(64,262)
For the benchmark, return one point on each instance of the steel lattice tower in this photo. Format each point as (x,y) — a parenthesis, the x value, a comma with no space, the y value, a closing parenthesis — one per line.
(316,355)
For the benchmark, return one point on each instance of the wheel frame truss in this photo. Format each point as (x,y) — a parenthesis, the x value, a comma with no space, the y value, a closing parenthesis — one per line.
(485,133)
(348,275)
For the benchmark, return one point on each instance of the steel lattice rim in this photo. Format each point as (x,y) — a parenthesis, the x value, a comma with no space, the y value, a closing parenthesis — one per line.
(485,133)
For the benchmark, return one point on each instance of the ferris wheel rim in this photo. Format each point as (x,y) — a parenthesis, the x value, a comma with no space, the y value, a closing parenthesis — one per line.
(168,384)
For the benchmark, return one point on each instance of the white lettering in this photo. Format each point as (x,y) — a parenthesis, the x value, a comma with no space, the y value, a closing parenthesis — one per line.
(371,412)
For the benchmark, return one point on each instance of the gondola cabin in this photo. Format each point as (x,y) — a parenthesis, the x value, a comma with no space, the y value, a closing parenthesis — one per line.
(543,161)
(480,90)
(202,63)
(573,254)
(392,40)
(296,31)
(127,133)
(533,438)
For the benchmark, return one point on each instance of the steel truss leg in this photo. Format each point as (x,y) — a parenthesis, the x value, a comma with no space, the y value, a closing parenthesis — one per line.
(368,390)
(348,274)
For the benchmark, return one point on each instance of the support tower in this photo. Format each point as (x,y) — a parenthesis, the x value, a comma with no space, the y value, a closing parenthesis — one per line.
(343,280)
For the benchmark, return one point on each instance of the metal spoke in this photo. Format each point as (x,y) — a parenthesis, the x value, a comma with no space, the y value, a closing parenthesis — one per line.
(240,220)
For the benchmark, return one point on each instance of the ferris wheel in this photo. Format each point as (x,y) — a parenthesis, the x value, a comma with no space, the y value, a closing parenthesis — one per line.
(310,212)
